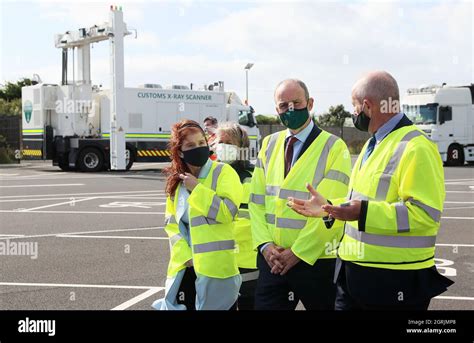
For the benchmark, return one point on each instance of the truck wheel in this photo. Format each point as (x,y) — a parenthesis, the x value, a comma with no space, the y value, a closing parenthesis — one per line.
(64,166)
(129,158)
(90,160)
(63,163)
(455,155)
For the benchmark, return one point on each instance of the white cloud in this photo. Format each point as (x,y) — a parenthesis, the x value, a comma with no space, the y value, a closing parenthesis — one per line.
(326,44)
(144,39)
(329,45)
(85,14)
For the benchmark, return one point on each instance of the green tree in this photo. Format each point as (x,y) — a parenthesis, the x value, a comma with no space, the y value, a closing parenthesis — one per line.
(335,117)
(263,119)
(11,91)
(10,108)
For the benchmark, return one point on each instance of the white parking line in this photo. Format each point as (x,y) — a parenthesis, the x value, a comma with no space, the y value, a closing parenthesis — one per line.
(48,185)
(468,192)
(458,208)
(89,232)
(63,177)
(151,196)
(455,245)
(82,212)
(70,202)
(115,237)
(449,180)
(30,284)
(137,299)
(466,218)
(72,194)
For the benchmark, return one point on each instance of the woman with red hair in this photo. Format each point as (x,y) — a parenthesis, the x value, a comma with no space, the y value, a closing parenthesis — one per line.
(203,198)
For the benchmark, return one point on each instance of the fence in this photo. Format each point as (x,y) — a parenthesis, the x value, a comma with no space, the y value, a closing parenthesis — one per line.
(10,138)
(354,138)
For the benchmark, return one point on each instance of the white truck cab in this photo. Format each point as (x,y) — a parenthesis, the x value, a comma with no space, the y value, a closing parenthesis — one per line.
(446,115)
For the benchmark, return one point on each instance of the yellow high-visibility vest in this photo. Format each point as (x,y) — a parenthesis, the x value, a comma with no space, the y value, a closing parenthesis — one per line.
(403,181)
(213,206)
(246,254)
(326,164)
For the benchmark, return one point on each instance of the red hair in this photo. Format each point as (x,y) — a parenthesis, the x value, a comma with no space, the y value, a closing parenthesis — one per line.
(179,131)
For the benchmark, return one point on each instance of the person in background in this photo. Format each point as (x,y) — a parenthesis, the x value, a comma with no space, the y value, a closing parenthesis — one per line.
(203,198)
(210,127)
(233,148)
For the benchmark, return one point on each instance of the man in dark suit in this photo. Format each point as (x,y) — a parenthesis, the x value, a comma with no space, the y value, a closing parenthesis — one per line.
(294,259)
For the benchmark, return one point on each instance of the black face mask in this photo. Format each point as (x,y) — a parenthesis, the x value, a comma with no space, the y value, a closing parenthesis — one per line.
(361,121)
(196,157)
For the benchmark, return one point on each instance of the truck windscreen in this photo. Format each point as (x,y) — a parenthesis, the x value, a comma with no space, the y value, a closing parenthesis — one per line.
(421,114)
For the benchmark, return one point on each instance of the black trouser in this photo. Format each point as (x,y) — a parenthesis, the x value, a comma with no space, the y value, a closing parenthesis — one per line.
(346,302)
(187,291)
(246,300)
(312,285)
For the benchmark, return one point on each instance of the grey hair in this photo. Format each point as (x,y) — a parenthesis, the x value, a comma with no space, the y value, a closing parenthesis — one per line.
(299,82)
(376,86)
(235,132)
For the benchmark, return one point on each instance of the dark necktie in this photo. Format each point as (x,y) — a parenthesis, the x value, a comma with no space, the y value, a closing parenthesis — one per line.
(369,150)
(289,153)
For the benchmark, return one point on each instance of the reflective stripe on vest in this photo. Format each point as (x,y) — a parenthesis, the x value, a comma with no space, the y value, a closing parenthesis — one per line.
(250,276)
(272,190)
(244,214)
(384,182)
(216,201)
(215,175)
(402,210)
(391,241)
(318,174)
(323,157)
(214,209)
(336,175)
(285,223)
(285,193)
(257,199)
(259,163)
(353,195)
(201,220)
(402,217)
(432,212)
(170,220)
(213,246)
(270,218)
(215,205)
(175,238)
(270,147)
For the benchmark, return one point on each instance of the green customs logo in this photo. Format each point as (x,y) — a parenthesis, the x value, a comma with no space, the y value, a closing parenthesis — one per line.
(28,110)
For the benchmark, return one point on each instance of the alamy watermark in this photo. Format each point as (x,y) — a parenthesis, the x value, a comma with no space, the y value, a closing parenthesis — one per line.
(355,249)
(74,106)
(14,248)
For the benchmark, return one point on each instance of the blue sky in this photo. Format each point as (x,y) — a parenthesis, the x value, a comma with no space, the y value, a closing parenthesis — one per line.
(326,44)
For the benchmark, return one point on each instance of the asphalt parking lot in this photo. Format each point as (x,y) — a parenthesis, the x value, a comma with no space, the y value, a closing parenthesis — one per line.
(96,241)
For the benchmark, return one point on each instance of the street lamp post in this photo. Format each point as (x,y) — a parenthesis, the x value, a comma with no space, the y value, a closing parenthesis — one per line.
(247,68)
